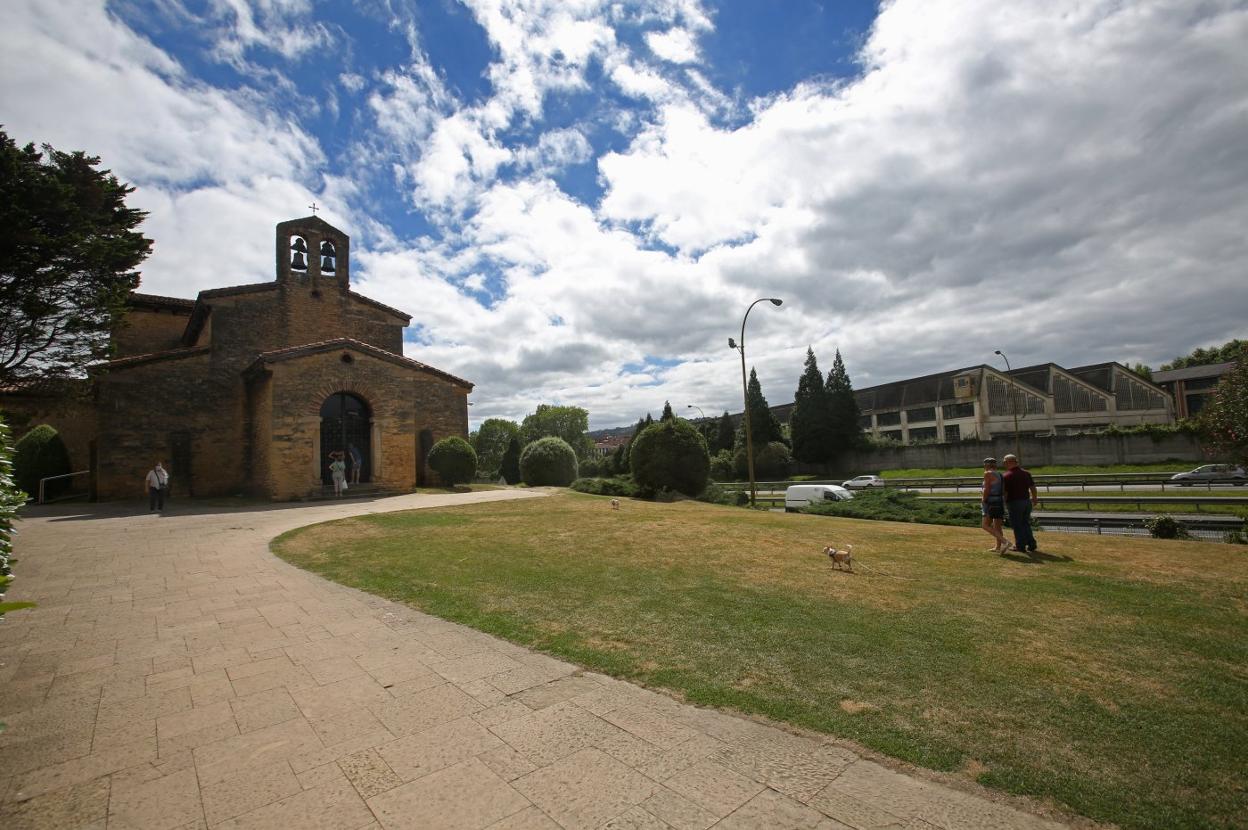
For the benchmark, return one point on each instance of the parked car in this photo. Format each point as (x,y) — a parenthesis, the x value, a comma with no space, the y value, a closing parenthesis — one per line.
(863,482)
(1211,472)
(803,495)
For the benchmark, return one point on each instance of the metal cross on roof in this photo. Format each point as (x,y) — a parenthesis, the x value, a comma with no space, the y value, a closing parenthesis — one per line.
(313,206)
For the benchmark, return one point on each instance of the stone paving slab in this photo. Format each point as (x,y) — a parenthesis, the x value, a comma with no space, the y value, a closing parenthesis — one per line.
(177,674)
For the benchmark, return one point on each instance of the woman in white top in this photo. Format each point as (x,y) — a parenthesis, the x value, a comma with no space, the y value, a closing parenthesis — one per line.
(338,470)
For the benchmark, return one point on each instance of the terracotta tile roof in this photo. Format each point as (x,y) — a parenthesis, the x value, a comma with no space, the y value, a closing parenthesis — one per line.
(156,300)
(138,359)
(291,352)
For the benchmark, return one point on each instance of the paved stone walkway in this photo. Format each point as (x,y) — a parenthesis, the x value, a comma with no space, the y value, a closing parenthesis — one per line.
(176,674)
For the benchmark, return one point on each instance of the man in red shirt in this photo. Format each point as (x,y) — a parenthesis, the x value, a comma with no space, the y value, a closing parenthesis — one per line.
(1020,497)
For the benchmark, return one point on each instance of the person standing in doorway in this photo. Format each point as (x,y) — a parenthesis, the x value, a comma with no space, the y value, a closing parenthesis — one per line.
(338,470)
(992,505)
(357,461)
(157,482)
(1020,497)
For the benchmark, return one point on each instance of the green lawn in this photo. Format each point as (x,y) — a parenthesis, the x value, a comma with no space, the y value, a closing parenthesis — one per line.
(1110,675)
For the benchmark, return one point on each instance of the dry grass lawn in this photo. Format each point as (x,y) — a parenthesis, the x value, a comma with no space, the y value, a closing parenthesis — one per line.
(1110,674)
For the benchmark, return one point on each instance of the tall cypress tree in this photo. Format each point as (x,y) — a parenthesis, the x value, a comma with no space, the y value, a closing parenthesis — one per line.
(842,408)
(668,414)
(509,467)
(811,424)
(724,440)
(764,427)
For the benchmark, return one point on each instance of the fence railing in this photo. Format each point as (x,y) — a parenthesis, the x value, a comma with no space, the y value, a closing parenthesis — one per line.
(1045,482)
(1139,501)
(42,498)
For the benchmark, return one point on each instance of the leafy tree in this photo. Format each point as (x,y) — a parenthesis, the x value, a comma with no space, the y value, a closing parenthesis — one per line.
(843,412)
(454,460)
(667,412)
(1225,353)
(624,463)
(810,424)
(38,454)
(764,426)
(726,437)
(771,461)
(670,455)
(491,441)
(571,423)
(68,250)
(11,498)
(1143,371)
(509,467)
(1224,420)
(548,461)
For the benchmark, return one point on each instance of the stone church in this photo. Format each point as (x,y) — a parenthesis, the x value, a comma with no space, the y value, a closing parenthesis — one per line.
(248,389)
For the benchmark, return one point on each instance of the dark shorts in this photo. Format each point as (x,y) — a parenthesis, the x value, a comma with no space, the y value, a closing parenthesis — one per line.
(992,511)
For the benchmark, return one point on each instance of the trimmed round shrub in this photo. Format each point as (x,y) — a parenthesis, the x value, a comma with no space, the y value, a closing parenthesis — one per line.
(622,486)
(770,462)
(548,461)
(454,460)
(38,454)
(670,455)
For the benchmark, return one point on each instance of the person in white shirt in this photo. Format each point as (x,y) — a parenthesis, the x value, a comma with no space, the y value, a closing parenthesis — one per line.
(157,483)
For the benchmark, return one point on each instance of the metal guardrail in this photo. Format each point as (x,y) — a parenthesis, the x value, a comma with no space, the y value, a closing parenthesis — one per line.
(43,485)
(1046,482)
(1139,501)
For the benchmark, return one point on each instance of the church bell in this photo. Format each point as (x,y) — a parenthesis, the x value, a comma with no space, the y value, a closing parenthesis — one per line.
(327,264)
(298,262)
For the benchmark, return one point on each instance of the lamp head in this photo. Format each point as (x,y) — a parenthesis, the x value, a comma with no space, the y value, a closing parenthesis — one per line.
(997,352)
(775,301)
(732,344)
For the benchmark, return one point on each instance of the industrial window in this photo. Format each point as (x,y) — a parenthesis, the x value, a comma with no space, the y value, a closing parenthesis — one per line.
(923,413)
(923,434)
(891,435)
(1069,396)
(864,421)
(887,419)
(958,410)
(1004,397)
(953,432)
(1200,383)
(1131,394)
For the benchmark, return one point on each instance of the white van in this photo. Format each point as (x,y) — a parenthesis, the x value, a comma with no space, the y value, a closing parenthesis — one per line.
(801,495)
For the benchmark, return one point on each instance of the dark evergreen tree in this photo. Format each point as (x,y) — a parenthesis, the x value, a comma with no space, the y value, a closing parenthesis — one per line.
(509,467)
(724,440)
(810,425)
(667,412)
(843,411)
(764,427)
(68,254)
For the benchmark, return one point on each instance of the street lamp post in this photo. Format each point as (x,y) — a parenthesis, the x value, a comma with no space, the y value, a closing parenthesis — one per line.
(695,406)
(745,393)
(1013,404)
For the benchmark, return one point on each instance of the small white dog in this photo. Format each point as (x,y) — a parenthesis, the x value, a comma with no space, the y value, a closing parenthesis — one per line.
(615,504)
(841,557)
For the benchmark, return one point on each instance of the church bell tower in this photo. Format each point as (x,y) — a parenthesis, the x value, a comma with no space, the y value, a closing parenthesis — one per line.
(313,253)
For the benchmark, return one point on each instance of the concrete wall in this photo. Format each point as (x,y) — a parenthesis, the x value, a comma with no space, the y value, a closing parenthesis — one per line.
(1062,449)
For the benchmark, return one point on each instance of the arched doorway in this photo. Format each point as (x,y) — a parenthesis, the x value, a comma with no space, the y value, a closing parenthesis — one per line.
(346,423)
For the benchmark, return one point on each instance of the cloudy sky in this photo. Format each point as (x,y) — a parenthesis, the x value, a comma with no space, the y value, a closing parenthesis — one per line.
(577,199)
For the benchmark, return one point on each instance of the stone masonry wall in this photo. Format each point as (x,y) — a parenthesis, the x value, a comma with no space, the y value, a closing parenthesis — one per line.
(145,331)
(402,402)
(72,415)
(142,408)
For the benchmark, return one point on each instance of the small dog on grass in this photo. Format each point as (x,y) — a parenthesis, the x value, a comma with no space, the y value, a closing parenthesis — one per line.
(615,504)
(841,558)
